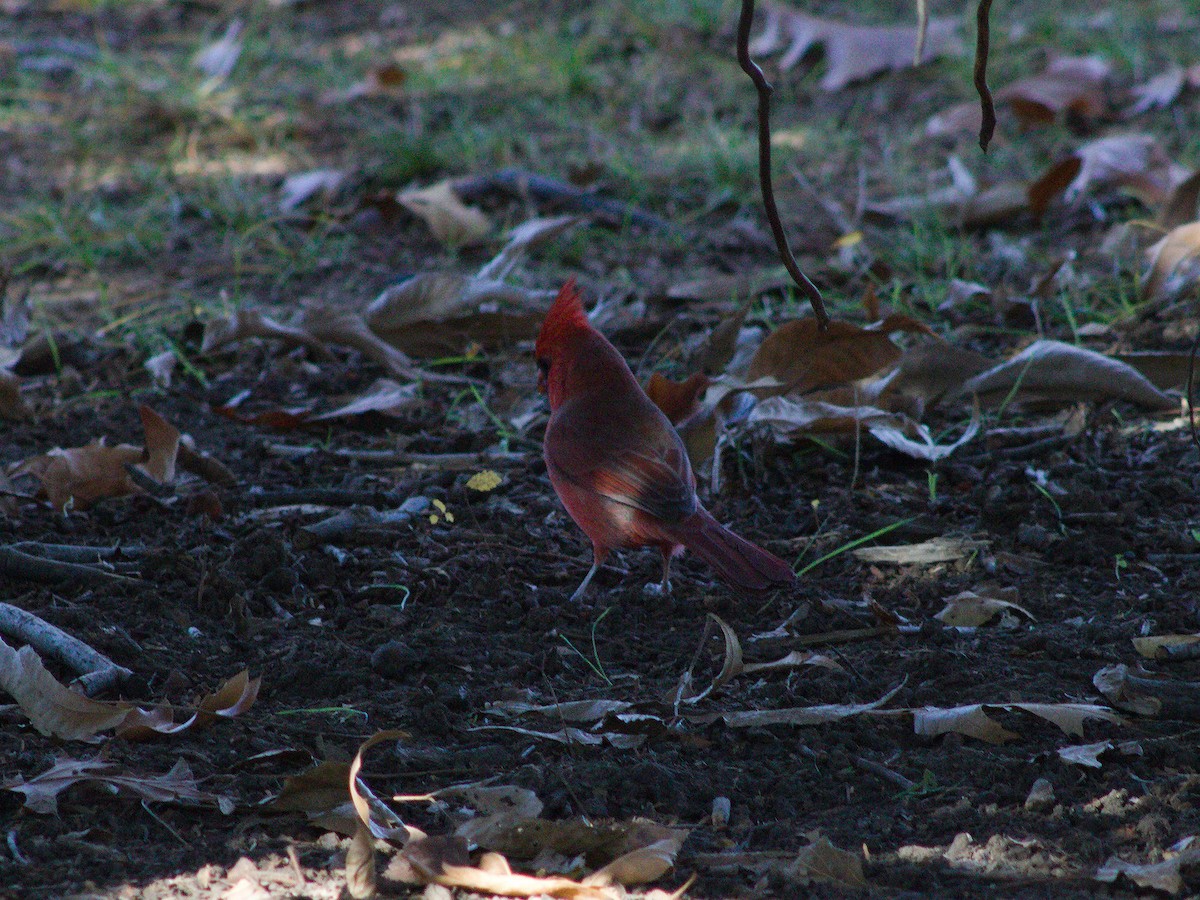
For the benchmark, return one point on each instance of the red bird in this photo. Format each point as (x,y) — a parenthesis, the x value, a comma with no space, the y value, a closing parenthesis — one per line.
(618,465)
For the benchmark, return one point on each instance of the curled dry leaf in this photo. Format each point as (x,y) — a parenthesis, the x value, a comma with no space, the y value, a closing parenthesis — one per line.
(1155,647)
(567,711)
(384,397)
(1072,85)
(231,699)
(451,221)
(81,476)
(161,368)
(41,792)
(1172,261)
(802,357)
(1166,875)
(218,58)
(320,793)
(1064,373)
(1113,683)
(731,666)
(969,609)
(852,52)
(348,329)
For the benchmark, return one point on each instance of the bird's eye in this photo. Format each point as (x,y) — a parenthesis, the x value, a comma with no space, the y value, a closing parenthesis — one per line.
(543,365)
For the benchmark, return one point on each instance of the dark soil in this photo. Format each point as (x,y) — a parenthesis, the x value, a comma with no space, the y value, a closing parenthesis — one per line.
(484,617)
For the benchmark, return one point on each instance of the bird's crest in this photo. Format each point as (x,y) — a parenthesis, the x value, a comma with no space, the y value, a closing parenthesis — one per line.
(565,315)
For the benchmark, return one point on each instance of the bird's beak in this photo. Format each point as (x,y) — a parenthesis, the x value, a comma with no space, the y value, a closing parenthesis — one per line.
(541,382)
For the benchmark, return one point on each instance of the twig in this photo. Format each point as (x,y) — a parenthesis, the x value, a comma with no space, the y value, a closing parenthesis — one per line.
(922,30)
(987,126)
(323,497)
(764,164)
(358,520)
(71,552)
(1178,699)
(558,194)
(97,672)
(404,458)
(875,768)
(18,857)
(16,564)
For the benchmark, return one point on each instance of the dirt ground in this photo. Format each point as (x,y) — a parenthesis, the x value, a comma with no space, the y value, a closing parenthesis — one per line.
(421,626)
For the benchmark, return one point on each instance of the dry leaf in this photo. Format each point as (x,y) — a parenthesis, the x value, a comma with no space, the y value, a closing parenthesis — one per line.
(1166,875)
(161,368)
(41,792)
(1172,261)
(969,609)
(380,81)
(802,357)
(1111,681)
(1135,163)
(1085,754)
(803,715)
(435,313)
(731,667)
(52,708)
(521,239)
(1155,647)
(252,323)
(1068,84)
(384,397)
(852,52)
(1159,92)
(1068,716)
(970,720)
(303,186)
(567,711)
(218,59)
(1065,373)
(231,699)
(451,221)
(794,660)
(348,329)
(1183,205)
(934,550)
(820,861)
(678,400)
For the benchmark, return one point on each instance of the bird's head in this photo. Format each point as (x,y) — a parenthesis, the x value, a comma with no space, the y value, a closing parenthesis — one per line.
(564,320)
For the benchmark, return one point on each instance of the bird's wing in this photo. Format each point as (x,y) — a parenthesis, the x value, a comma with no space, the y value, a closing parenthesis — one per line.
(636,460)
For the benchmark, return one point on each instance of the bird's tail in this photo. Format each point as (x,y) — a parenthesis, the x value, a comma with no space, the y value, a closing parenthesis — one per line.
(737,562)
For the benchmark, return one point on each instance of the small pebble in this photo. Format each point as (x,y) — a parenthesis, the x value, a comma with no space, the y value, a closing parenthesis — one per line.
(1041,796)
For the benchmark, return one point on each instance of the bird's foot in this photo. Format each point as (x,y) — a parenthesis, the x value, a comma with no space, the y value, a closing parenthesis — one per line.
(657,589)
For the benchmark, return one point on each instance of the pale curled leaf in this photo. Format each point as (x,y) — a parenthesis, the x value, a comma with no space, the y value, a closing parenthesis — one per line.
(301,187)
(1087,755)
(1113,683)
(1166,875)
(218,58)
(1172,260)
(1053,370)
(970,609)
(1135,163)
(450,220)
(521,239)
(1069,717)
(1155,647)
(384,397)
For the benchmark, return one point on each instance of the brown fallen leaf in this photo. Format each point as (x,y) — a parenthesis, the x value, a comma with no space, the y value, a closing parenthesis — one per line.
(12,404)
(1155,647)
(1064,373)
(852,52)
(52,708)
(1068,85)
(1172,261)
(451,221)
(970,720)
(253,323)
(934,550)
(964,203)
(1183,205)
(678,400)
(231,699)
(801,357)
(81,476)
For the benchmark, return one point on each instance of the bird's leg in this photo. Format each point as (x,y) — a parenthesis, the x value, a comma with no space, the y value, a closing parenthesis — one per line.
(587,579)
(663,588)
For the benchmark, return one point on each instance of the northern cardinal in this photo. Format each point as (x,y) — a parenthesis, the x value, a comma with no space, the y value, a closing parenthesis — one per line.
(619,466)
